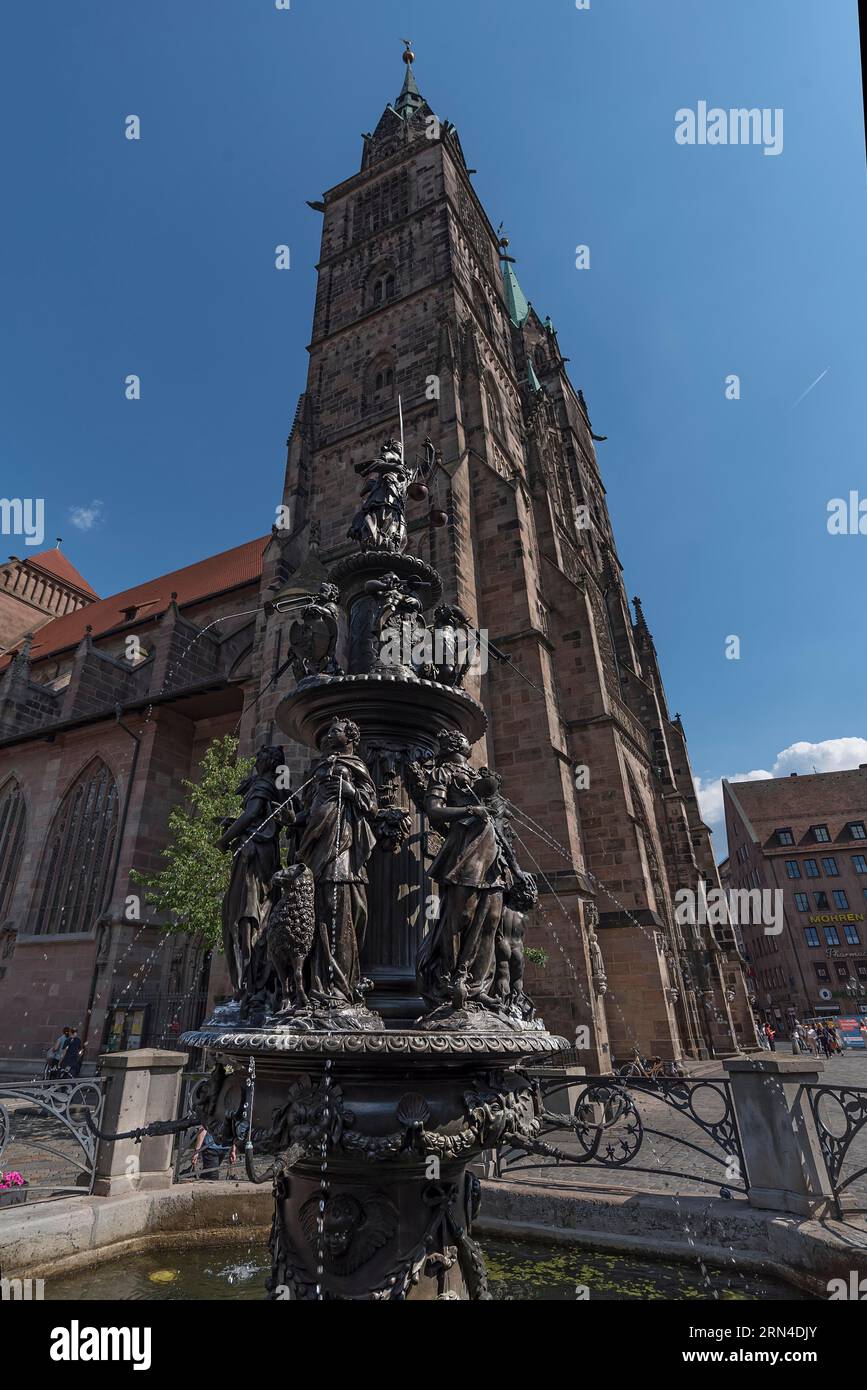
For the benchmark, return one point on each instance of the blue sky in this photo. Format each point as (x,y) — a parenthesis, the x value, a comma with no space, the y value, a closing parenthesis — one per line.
(155,257)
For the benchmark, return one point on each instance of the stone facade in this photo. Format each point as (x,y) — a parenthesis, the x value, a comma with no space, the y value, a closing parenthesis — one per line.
(141,692)
(417,299)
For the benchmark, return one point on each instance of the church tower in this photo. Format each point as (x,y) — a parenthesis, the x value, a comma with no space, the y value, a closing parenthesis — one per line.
(418,300)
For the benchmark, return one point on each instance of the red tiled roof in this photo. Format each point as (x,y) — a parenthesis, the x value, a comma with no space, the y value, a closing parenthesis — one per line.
(229,570)
(54,562)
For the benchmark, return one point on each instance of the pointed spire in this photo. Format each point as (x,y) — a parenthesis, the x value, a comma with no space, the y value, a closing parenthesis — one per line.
(516,301)
(532,380)
(641,629)
(410,98)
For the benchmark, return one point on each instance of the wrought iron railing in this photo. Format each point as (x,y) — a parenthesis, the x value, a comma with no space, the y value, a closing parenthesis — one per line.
(840,1116)
(45,1136)
(672,1127)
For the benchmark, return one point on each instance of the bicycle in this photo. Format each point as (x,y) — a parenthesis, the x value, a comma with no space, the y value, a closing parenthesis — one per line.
(55,1071)
(650,1069)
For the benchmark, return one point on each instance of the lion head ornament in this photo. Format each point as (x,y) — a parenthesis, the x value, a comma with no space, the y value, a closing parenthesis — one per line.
(354,1227)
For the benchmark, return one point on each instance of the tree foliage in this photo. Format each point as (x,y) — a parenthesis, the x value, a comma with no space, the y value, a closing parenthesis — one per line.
(189,889)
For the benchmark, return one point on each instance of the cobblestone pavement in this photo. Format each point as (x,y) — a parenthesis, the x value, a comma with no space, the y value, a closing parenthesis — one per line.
(676,1156)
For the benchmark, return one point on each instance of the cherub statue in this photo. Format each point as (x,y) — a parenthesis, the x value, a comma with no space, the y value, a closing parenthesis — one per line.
(509,949)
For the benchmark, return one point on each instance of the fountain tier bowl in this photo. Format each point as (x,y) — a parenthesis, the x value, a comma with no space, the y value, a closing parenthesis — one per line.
(383,705)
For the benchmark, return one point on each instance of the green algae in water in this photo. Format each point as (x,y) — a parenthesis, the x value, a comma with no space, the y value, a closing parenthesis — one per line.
(520,1271)
(517,1271)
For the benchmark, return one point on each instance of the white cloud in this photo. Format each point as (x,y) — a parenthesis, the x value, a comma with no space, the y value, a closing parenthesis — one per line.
(831,755)
(710,797)
(86,517)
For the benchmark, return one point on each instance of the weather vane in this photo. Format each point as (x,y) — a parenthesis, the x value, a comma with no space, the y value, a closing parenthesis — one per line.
(408,56)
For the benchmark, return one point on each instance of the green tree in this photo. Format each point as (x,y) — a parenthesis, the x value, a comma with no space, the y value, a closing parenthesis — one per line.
(190,889)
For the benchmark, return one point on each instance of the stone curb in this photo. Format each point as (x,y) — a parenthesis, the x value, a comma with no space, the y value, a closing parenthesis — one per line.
(54,1237)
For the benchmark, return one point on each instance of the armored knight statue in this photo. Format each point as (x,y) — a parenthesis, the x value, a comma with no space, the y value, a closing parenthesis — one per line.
(335,840)
(253,840)
(381,522)
(473,870)
(313,637)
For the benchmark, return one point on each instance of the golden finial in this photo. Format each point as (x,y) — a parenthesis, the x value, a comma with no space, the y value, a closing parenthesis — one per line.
(408,55)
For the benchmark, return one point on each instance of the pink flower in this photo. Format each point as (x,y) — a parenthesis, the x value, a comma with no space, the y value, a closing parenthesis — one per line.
(9,1180)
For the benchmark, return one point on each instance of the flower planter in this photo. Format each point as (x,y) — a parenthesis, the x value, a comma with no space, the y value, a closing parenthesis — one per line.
(13,1196)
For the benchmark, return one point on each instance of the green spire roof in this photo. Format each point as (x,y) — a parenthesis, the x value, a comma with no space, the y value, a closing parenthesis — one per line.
(516,301)
(535,383)
(410,98)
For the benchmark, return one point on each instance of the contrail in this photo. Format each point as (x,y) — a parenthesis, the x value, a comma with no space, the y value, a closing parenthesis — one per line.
(809,388)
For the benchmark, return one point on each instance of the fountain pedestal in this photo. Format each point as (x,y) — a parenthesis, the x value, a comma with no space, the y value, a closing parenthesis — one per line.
(373,1134)
(373,1111)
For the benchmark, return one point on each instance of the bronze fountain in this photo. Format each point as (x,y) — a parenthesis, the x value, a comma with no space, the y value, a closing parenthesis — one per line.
(380,1023)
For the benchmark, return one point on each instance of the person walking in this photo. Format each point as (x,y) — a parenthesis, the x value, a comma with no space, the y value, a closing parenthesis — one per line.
(72,1055)
(771,1037)
(813,1040)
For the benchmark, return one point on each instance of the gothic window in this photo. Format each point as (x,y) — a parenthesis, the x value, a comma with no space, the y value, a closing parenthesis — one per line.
(13,821)
(381,285)
(78,856)
(379,383)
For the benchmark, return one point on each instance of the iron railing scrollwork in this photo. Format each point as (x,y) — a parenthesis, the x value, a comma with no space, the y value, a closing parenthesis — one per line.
(47,1127)
(611,1120)
(840,1116)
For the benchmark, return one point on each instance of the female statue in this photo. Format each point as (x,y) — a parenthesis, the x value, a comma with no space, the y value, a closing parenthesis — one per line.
(381,522)
(473,870)
(335,841)
(254,840)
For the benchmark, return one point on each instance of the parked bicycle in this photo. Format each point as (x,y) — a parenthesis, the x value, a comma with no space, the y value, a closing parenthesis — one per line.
(650,1069)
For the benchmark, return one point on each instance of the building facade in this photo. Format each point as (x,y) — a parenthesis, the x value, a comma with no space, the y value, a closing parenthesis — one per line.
(418,301)
(103,714)
(36,590)
(803,838)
